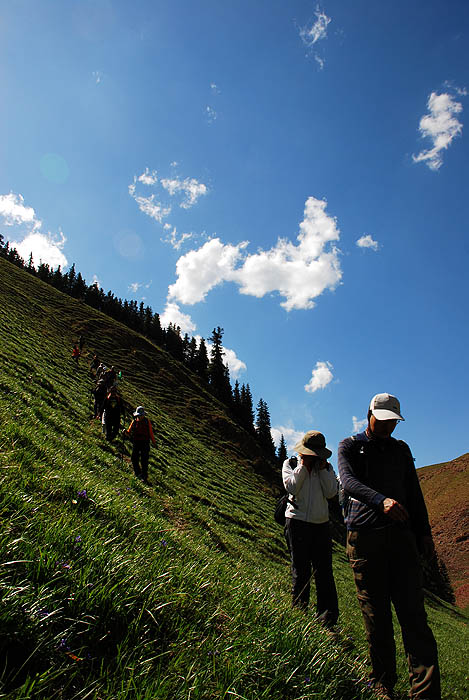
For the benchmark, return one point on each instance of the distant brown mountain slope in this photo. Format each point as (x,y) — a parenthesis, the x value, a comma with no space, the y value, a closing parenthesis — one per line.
(446,490)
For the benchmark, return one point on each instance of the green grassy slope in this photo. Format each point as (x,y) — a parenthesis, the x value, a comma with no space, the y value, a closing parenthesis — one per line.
(180,590)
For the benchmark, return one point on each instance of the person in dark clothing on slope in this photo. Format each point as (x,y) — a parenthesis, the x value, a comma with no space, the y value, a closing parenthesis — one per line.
(112,409)
(94,364)
(141,432)
(100,391)
(387,526)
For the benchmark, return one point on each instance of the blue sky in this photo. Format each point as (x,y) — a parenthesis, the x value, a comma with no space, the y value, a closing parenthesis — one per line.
(294,172)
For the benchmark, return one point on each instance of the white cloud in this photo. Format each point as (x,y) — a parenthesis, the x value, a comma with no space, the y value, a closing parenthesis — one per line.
(367,241)
(318,30)
(200,270)
(291,436)
(174,239)
(441,126)
(299,273)
(98,76)
(44,247)
(321,376)
(214,88)
(235,365)
(96,281)
(358,425)
(173,314)
(14,211)
(190,187)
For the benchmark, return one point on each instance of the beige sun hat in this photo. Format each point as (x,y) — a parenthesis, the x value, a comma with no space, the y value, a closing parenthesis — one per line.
(313,443)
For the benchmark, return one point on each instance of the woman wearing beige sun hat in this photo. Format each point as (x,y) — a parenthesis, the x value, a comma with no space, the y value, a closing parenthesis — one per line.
(310,480)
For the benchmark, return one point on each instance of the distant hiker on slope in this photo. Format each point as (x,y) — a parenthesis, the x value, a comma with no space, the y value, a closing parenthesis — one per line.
(311,481)
(76,353)
(100,392)
(140,432)
(387,525)
(94,364)
(112,409)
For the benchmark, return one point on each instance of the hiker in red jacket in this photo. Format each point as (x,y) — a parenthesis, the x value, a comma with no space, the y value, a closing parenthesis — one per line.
(76,353)
(140,432)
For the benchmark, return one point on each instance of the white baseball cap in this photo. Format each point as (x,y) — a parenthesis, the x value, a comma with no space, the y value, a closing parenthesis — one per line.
(386,407)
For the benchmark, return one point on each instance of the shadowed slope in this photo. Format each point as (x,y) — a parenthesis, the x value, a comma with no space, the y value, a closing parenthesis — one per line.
(446,490)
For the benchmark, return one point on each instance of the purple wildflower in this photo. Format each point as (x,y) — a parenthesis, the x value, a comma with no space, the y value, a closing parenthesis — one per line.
(82,494)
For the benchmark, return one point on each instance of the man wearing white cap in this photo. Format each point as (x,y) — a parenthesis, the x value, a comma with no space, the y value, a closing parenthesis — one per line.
(387,526)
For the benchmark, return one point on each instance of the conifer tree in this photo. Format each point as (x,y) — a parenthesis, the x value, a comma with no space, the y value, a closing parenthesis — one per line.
(264,434)
(247,410)
(219,378)
(201,360)
(282,453)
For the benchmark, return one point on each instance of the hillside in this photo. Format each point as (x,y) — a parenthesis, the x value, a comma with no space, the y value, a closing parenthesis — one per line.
(113,590)
(445,487)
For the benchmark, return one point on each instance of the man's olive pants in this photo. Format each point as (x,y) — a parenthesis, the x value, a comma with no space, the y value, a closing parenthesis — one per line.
(386,569)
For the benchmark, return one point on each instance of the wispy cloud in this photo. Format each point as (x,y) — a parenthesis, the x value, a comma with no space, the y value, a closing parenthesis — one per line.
(367,241)
(96,281)
(298,273)
(97,76)
(135,286)
(358,425)
(27,236)
(159,204)
(148,177)
(314,32)
(151,207)
(321,376)
(441,126)
(174,238)
(211,114)
(190,187)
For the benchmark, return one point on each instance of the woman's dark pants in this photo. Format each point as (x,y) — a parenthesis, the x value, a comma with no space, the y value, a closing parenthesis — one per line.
(140,455)
(310,547)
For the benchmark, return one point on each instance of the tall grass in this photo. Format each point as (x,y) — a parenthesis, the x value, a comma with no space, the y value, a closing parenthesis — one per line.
(114,590)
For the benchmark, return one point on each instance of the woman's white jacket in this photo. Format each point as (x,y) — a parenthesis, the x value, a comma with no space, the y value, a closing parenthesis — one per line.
(310,491)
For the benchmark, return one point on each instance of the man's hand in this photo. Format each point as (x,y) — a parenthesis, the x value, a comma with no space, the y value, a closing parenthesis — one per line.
(394,510)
